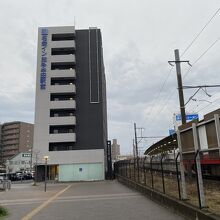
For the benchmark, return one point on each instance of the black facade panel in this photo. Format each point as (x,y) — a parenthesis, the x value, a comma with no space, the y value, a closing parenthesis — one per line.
(91,130)
(94,65)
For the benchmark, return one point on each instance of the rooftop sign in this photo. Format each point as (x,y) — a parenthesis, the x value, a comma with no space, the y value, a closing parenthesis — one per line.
(26,155)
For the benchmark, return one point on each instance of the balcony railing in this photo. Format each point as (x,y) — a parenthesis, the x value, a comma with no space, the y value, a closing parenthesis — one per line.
(63,104)
(68,120)
(63,137)
(62,88)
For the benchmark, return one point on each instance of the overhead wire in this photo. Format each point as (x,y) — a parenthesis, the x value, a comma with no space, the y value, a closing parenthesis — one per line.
(167,101)
(159,93)
(200,57)
(197,60)
(200,32)
(203,98)
(208,105)
(210,102)
(187,48)
(184,76)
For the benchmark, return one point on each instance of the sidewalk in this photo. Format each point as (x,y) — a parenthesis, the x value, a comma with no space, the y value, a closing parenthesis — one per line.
(24,197)
(107,200)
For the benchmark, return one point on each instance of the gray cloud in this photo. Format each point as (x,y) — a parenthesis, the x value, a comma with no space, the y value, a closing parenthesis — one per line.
(138,40)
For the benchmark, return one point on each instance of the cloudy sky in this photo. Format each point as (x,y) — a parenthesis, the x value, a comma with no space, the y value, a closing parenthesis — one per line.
(139,37)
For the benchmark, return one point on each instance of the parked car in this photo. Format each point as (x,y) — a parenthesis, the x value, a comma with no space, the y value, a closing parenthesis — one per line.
(2,177)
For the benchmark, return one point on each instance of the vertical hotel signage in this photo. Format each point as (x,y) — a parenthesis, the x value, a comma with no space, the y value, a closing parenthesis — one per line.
(43,69)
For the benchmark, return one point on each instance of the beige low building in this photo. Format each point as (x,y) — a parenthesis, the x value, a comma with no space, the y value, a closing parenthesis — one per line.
(19,163)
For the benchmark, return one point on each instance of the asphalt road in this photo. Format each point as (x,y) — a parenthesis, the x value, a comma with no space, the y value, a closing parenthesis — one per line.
(107,200)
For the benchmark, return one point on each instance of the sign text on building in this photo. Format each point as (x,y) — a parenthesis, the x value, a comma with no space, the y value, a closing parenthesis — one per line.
(43,69)
(26,155)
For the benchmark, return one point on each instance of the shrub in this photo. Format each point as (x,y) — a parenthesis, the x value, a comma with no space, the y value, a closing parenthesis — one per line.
(3,211)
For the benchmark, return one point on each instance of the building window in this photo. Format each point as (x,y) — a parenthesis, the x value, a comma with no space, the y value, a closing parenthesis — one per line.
(62,66)
(62,81)
(61,146)
(62,112)
(63,37)
(59,129)
(63,51)
(62,96)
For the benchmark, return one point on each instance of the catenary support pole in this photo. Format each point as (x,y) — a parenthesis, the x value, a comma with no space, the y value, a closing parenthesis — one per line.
(151,172)
(136,148)
(180,86)
(182,174)
(200,187)
(162,173)
(144,170)
(177,175)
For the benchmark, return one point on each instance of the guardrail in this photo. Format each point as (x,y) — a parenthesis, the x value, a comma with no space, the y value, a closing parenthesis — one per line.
(160,175)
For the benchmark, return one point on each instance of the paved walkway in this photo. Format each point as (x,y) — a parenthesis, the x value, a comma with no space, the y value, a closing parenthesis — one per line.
(106,200)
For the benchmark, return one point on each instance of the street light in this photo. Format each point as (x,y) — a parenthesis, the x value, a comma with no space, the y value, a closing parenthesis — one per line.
(45,179)
(7,169)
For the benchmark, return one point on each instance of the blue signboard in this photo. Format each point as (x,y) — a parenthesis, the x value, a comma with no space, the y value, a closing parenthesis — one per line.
(189,117)
(171,131)
(43,71)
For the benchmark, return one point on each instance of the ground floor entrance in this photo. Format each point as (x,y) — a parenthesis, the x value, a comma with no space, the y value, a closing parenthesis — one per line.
(81,172)
(71,172)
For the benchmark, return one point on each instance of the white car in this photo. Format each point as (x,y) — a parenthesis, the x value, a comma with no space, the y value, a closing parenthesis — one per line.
(2,177)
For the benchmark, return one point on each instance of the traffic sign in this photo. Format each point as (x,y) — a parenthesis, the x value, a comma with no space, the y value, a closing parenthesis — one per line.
(189,117)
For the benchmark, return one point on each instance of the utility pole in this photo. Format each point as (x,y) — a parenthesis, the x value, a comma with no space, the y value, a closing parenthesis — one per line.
(133,148)
(135,137)
(136,148)
(180,85)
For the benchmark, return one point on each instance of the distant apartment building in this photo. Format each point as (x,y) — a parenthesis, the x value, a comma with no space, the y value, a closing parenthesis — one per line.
(70,111)
(115,149)
(15,137)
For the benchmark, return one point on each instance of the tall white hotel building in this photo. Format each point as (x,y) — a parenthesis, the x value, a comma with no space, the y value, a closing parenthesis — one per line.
(70,109)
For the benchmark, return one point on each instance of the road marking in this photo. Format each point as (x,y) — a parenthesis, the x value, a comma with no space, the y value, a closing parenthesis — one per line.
(101,195)
(73,199)
(43,205)
(98,199)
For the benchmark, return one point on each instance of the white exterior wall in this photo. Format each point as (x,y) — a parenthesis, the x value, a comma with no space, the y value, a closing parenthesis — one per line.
(19,163)
(202,137)
(43,106)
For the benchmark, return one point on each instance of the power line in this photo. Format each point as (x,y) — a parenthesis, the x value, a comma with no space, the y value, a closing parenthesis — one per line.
(194,109)
(194,63)
(208,105)
(187,48)
(197,36)
(161,88)
(200,57)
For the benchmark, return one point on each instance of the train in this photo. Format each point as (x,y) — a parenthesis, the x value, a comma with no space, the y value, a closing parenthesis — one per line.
(210,167)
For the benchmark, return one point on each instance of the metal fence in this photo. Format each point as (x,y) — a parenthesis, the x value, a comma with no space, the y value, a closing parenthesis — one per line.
(164,175)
